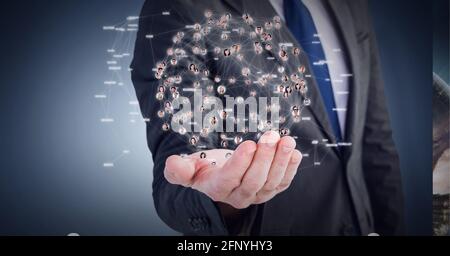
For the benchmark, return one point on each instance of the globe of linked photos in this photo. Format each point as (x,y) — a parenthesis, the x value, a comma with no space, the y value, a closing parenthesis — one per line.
(224,58)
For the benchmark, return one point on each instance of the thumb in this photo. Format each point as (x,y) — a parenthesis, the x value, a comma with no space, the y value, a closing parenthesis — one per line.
(181,171)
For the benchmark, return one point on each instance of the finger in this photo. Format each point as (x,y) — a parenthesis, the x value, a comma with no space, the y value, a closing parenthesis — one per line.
(291,171)
(181,171)
(233,170)
(279,165)
(256,175)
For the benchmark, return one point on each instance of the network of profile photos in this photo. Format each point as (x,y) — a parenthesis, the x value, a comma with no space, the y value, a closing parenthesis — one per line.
(222,81)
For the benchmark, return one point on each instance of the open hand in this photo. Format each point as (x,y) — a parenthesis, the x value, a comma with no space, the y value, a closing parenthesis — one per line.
(252,174)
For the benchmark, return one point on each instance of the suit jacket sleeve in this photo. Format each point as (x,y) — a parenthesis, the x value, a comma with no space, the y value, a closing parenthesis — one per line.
(183,209)
(380,158)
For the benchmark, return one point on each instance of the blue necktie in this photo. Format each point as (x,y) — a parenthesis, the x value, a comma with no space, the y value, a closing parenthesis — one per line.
(301,24)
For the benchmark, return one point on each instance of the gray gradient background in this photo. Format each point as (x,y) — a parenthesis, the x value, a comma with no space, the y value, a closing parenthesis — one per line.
(52,144)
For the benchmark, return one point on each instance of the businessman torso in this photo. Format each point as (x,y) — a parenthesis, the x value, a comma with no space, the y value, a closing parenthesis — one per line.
(333,193)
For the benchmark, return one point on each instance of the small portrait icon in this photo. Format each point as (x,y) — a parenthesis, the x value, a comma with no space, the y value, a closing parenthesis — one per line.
(307,102)
(160,96)
(303,89)
(168,107)
(302,69)
(283,55)
(226,52)
(277,25)
(295,111)
(178,79)
(236,48)
(224,144)
(193,140)
(258,47)
(224,114)
(267,37)
(224,36)
(237,139)
(192,67)
(213,121)
(247,18)
(208,13)
(258,30)
(165,127)
(197,36)
(245,71)
(221,89)
(284,131)
(288,89)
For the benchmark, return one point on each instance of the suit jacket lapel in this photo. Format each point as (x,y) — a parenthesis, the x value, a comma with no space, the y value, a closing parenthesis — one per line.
(236,5)
(341,13)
